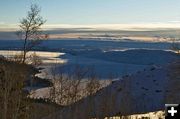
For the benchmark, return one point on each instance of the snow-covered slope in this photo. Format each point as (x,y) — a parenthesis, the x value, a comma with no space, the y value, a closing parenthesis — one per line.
(131,56)
(104,63)
(116,63)
(142,92)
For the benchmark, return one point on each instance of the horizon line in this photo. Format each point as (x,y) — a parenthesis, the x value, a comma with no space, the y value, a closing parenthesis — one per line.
(125,26)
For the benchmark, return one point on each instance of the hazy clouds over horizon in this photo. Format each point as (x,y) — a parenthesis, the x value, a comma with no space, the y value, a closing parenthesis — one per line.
(96,14)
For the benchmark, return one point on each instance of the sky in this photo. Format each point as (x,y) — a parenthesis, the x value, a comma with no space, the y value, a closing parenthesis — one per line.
(95,13)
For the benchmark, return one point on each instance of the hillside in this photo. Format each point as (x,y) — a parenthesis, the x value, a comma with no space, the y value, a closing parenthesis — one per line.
(142,92)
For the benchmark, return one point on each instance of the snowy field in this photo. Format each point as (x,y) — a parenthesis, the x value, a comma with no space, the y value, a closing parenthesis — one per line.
(107,58)
(46,57)
(142,92)
(106,64)
(141,67)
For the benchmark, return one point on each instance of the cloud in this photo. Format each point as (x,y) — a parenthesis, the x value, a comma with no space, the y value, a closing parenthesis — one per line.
(2,23)
(8,27)
(132,26)
(174,21)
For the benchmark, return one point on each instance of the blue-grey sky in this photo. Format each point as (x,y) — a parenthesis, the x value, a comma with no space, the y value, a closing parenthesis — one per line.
(88,12)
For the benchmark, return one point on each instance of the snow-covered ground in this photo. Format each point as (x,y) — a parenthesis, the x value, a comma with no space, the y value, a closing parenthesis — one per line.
(117,63)
(142,92)
(47,57)
(104,68)
(105,63)
(141,67)
(70,44)
(107,57)
(150,115)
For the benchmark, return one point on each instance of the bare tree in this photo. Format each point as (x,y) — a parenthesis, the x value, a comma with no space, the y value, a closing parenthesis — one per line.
(30,30)
(67,89)
(13,101)
(35,60)
(93,84)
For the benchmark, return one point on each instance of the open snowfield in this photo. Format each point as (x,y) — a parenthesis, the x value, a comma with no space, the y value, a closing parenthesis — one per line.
(65,61)
(141,67)
(106,57)
(47,57)
(142,92)
(105,64)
